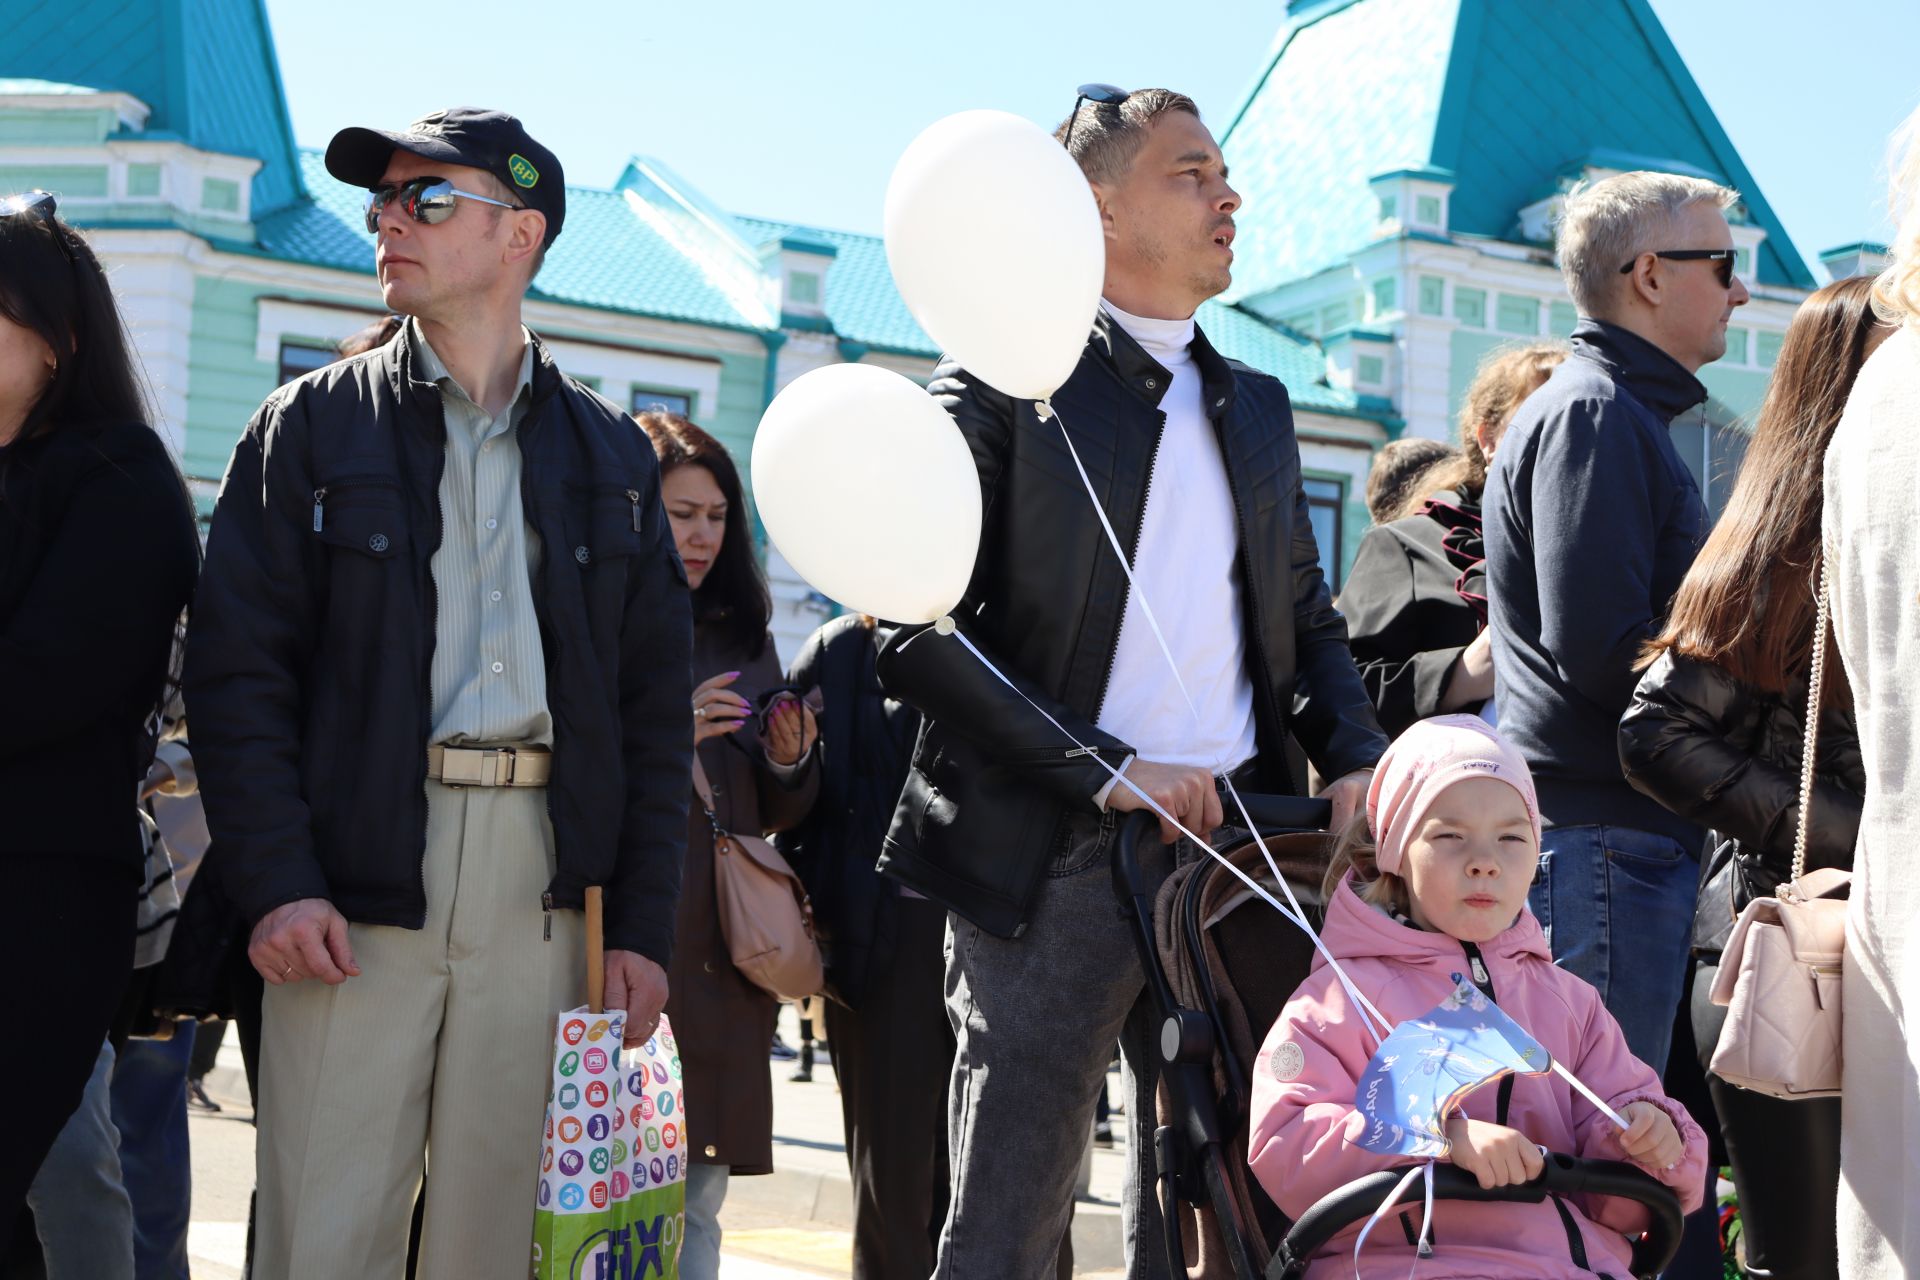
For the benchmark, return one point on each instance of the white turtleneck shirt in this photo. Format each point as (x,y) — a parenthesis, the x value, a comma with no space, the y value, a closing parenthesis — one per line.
(1185,565)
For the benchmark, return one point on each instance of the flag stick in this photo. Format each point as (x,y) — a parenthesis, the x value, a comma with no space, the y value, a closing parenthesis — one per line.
(1590,1095)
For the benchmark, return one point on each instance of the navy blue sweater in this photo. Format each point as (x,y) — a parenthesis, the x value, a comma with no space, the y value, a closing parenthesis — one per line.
(1591,521)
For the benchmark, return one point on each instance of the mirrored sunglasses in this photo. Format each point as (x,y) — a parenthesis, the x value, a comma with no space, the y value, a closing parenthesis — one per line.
(429,201)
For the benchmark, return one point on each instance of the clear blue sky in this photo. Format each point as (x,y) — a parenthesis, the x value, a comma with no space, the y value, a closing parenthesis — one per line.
(779,113)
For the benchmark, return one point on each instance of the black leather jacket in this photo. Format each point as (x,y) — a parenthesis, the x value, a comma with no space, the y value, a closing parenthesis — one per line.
(992,780)
(1727,756)
(308,666)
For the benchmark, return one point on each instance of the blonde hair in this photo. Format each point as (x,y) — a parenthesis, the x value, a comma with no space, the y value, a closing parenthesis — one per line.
(1506,376)
(1610,222)
(1354,850)
(1896,292)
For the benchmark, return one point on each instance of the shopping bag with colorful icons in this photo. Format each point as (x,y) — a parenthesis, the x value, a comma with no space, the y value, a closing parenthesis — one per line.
(611,1203)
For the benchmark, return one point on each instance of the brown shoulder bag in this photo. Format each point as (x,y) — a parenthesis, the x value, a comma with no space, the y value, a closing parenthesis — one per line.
(765,914)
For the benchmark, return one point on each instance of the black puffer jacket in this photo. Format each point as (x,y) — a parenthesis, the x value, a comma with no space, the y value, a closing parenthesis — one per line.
(309,664)
(1727,756)
(993,780)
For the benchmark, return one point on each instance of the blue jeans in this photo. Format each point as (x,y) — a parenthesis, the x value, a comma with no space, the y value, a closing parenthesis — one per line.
(700,1242)
(79,1203)
(1617,905)
(150,1110)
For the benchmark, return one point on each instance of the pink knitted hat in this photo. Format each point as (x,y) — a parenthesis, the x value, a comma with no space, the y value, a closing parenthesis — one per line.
(1426,760)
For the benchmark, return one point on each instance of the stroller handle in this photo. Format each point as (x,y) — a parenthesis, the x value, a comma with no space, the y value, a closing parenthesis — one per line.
(1564,1175)
(1273,815)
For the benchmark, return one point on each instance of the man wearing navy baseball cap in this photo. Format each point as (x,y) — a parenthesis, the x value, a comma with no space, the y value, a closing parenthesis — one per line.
(439,678)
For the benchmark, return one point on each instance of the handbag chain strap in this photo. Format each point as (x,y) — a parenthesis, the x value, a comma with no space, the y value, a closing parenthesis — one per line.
(704,791)
(1814,683)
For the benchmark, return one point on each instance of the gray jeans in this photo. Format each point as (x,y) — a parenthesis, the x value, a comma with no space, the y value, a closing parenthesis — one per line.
(79,1198)
(1037,1018)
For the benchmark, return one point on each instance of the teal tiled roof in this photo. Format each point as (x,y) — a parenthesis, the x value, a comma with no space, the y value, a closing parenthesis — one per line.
(1505,94)
(206,68)
(862,303)
(607,257)
(42,88)
(1296,361)
(1346,97)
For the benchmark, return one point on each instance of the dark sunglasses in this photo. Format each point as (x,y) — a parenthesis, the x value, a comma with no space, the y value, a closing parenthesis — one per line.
(1105,94)
(35,202)
(43,206)
(1722,260)
(429,201)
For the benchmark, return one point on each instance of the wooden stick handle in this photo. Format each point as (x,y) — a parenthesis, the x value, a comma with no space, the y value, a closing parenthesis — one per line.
(596,952)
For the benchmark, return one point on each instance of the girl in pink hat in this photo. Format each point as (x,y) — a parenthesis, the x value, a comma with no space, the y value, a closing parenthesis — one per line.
(1430,882)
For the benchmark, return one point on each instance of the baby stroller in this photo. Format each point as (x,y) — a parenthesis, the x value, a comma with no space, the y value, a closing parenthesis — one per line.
(1221,964)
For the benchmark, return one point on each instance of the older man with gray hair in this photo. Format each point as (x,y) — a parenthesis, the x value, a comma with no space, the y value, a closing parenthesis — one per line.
(1591,522)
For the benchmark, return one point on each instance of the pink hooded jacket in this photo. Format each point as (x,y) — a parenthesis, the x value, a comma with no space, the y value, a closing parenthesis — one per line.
(1304,1120)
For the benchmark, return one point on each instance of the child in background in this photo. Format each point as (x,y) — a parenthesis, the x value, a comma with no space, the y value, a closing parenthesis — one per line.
(1430,882)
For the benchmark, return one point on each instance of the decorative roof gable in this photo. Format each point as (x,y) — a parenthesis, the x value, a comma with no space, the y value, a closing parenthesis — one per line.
(206,68)
(1507,95)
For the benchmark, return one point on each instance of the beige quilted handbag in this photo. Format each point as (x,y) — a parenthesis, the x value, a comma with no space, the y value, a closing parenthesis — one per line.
(1780,973)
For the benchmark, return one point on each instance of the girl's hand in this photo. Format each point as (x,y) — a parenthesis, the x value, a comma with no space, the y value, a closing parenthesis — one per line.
(1494,1154)
(791,730)
(1650,1138)
(717,710)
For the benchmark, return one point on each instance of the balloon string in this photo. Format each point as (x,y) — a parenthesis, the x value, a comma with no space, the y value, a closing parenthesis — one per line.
(1298,915)
(1386,1206)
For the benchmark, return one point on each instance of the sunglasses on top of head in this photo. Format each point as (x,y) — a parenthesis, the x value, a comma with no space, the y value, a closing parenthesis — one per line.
(1722,260)
(43,206)
(428,201)
(1105,95)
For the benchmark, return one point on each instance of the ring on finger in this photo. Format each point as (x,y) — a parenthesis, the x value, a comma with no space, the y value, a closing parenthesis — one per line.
(284,972)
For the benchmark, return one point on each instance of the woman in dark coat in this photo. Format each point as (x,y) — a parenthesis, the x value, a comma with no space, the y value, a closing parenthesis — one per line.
(759,763)
(98,556)
(1416,599)
(1716,733)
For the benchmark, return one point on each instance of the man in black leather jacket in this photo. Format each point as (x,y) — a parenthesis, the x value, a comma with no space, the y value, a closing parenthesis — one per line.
(1004,821)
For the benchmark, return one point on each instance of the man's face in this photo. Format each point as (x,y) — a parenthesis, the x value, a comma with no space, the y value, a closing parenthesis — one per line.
(1696,306)
(1169,221)
(429,271)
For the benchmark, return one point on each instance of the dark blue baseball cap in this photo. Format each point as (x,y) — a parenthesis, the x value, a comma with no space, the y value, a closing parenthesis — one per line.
(471,136)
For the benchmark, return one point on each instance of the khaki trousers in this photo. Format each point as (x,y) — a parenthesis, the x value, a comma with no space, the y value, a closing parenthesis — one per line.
(442,1048)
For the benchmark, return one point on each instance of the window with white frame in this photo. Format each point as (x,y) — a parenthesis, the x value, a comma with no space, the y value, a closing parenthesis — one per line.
(645,398)
(1325,500)
(298,357)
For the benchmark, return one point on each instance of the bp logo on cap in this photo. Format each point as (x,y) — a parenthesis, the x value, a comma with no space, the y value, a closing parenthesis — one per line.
(524,174)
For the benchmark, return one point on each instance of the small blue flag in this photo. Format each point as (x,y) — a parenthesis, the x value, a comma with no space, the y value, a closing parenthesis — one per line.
(1423,1069)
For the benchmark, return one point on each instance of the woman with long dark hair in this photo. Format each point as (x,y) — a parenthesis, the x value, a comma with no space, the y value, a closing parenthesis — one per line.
(98,557)
(1416,600)
(753,741)
(1716,734)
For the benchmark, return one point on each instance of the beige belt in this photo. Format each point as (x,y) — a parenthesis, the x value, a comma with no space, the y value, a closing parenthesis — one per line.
(512,765)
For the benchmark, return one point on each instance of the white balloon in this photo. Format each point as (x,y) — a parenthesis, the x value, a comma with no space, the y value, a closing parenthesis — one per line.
(995,243)
(868,489)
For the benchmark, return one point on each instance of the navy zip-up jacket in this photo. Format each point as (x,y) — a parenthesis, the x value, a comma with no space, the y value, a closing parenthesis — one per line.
(1591,521)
